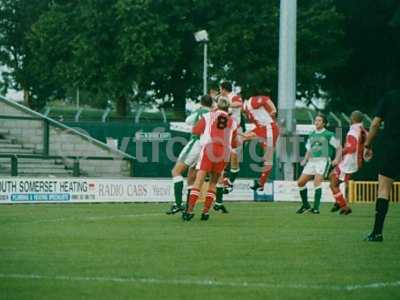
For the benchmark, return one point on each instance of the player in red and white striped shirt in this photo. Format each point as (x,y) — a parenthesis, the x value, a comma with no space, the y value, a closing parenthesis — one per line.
(235,110)
(261,111)
(218,136)
(351,162)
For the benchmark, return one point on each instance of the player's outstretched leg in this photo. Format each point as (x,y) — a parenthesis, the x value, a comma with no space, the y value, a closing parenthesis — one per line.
(267,168)
(340,201)
(259,184)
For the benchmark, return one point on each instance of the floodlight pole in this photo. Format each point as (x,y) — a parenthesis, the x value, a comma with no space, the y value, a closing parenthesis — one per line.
(202,37)
(287,86)
(77,98)
(205,68)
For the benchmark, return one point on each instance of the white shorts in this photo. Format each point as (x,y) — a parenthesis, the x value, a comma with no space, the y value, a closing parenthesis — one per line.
(317,166)
(190,153)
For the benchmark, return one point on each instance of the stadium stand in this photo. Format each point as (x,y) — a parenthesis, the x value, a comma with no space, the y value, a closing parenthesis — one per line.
(32,144)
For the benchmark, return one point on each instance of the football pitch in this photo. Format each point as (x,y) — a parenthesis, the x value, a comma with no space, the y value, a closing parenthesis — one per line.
(136,251)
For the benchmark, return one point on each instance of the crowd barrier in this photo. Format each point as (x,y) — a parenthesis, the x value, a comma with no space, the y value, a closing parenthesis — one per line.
(367,191)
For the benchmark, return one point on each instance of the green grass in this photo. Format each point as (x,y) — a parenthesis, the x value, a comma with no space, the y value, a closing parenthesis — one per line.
(135,251)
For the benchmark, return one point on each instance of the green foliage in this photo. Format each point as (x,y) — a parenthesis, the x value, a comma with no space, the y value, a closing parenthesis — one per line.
(372,35)
(120,49)
(321,48)
(16,20)
(245,44)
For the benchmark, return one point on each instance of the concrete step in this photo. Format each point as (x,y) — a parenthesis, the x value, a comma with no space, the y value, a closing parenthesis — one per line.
(4,168)
(34,165)
(6,141)
(40,174)
(29,160)
(26,145)
(3,174)
(44,171)
(4,131)
(16,151)
(32,161)
(111,175)
(41,167)
(37,172)
(11,146)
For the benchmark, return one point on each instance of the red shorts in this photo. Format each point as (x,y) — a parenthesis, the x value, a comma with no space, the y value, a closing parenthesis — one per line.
(340,175)
(213,158)
(269,134)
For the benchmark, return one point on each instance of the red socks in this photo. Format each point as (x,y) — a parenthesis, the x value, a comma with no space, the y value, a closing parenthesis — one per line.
(194,195)
(209,201)
(340,200)
(264,177)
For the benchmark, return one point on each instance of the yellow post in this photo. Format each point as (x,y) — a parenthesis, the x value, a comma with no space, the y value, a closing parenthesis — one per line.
(351,191)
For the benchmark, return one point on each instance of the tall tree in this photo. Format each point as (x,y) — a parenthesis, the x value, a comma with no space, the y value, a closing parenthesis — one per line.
(121,48)
(246,44)
(16,19)
(373,37)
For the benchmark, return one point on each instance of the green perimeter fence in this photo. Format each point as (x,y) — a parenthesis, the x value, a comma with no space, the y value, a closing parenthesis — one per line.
(153,142)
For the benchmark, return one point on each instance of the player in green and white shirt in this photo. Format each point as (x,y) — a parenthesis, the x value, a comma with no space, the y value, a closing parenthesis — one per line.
(321,146)
(188,157)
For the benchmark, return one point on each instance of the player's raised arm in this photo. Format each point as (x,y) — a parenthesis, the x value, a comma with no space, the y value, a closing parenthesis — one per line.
(270,107)
(191,119)
(265,102)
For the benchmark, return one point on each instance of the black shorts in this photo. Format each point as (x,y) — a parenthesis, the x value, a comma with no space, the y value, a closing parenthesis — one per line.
(389,163)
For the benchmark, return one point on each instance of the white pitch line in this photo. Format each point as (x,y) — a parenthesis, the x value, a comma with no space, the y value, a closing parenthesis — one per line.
(92,218)
(203,282)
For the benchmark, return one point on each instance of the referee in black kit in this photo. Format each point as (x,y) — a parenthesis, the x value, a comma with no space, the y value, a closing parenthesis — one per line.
(389,163)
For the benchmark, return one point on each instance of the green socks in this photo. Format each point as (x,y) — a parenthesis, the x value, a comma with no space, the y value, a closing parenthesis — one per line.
(219,195)
(178,188)
(317,197)
(304,197)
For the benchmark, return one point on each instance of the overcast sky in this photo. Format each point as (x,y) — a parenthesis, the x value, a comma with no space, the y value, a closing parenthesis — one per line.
(11,94)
